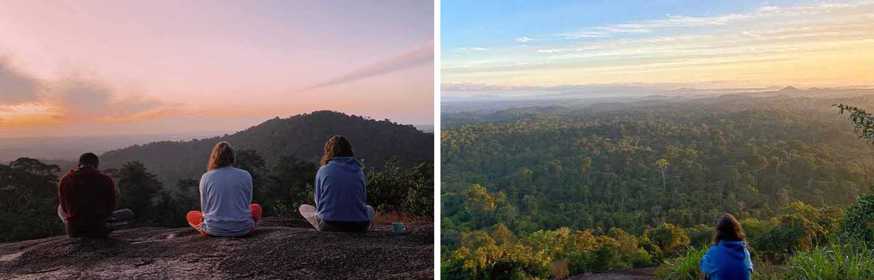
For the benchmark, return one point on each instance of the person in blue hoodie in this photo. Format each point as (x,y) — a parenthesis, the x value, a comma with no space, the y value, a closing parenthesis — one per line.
(728,257)
(341,192)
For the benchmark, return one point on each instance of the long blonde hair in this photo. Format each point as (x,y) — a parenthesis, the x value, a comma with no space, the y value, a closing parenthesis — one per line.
(222,155)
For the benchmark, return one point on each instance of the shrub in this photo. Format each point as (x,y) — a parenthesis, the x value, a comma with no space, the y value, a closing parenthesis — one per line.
(852,261)
(754,227)
(700,235)
(607,258)
(559,269)
(800,228)
(763,270)
(859,220)
(683,268)
(398,188)
(670,238)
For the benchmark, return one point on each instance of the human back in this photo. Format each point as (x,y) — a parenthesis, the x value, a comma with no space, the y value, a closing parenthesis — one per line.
(341,193)
(86,199)
(728,258)
(226,195)
(89,196)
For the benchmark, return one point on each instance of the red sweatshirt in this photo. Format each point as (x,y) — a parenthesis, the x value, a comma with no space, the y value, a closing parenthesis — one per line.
(87,197)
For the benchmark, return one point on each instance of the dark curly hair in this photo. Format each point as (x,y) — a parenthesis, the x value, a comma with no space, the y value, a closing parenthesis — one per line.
(728,229)
(337,146)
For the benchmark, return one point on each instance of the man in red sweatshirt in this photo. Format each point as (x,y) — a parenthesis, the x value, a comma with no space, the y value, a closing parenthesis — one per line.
(87,200)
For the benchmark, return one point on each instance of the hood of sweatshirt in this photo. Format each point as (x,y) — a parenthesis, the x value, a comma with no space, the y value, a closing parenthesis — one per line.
(733,249)
(346,163)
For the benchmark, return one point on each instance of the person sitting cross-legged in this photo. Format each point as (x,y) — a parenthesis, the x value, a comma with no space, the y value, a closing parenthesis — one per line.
(340,194)
(225,198)
(87,201)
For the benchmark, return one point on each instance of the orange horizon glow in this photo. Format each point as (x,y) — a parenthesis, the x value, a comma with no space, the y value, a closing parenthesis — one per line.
(803,44)
(89,67)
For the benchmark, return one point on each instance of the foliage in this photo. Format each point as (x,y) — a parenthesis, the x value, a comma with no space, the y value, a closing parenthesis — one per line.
(859,220)
(395,188)
(289,183)
(662,171)
(138,190)
(848,261)
(541,254)
(683,268)
(669,238)
(28,188)
(687,266)
(28,200)
(633,166)
(701,235)
(301,136)
(863,122)
(800,227)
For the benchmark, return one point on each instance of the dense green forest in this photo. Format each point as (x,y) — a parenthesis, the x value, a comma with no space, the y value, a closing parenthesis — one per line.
(543,192)
(282,181)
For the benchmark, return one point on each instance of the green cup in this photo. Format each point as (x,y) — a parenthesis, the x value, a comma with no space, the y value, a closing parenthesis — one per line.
(398,228)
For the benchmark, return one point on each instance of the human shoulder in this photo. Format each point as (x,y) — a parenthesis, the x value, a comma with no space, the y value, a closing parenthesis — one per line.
(712,248)
(69,175)
(235,171)
(207,174)
(324,168)
(106,178)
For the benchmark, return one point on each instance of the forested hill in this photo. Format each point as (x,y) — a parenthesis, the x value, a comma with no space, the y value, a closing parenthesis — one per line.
(552,191)
(159,181)
(301,136)
(643,163)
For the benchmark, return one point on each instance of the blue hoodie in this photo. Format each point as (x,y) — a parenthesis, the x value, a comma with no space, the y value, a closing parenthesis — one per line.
(727,260)
(341,195)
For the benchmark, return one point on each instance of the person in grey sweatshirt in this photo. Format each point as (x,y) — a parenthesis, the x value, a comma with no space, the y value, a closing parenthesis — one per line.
(225,198)
(341,192)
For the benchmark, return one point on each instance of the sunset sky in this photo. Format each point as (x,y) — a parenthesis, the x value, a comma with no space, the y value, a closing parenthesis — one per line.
(107,67)
(534,46)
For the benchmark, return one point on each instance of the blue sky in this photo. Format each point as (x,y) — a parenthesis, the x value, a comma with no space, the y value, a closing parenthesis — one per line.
(504,44)
(485,23)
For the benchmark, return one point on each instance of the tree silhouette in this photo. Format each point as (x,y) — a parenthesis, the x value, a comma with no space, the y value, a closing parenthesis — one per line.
(662,164)
(138,190)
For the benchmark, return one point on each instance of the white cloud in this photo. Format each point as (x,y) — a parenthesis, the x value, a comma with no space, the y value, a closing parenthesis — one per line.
(524,39)
(72,99)
(16,87)
(740,44)
(674,22)
(472,49)
(412,58)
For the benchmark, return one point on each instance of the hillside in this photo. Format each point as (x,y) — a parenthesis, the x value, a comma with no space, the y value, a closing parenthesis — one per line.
(607,187)
(280,249)
(301,136)
(68,148)
(590,167)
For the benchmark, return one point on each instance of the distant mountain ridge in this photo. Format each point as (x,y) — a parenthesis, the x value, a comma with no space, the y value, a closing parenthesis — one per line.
(302,136)
(68,148)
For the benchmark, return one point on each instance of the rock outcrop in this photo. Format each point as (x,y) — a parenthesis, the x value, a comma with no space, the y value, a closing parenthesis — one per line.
(279,249)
